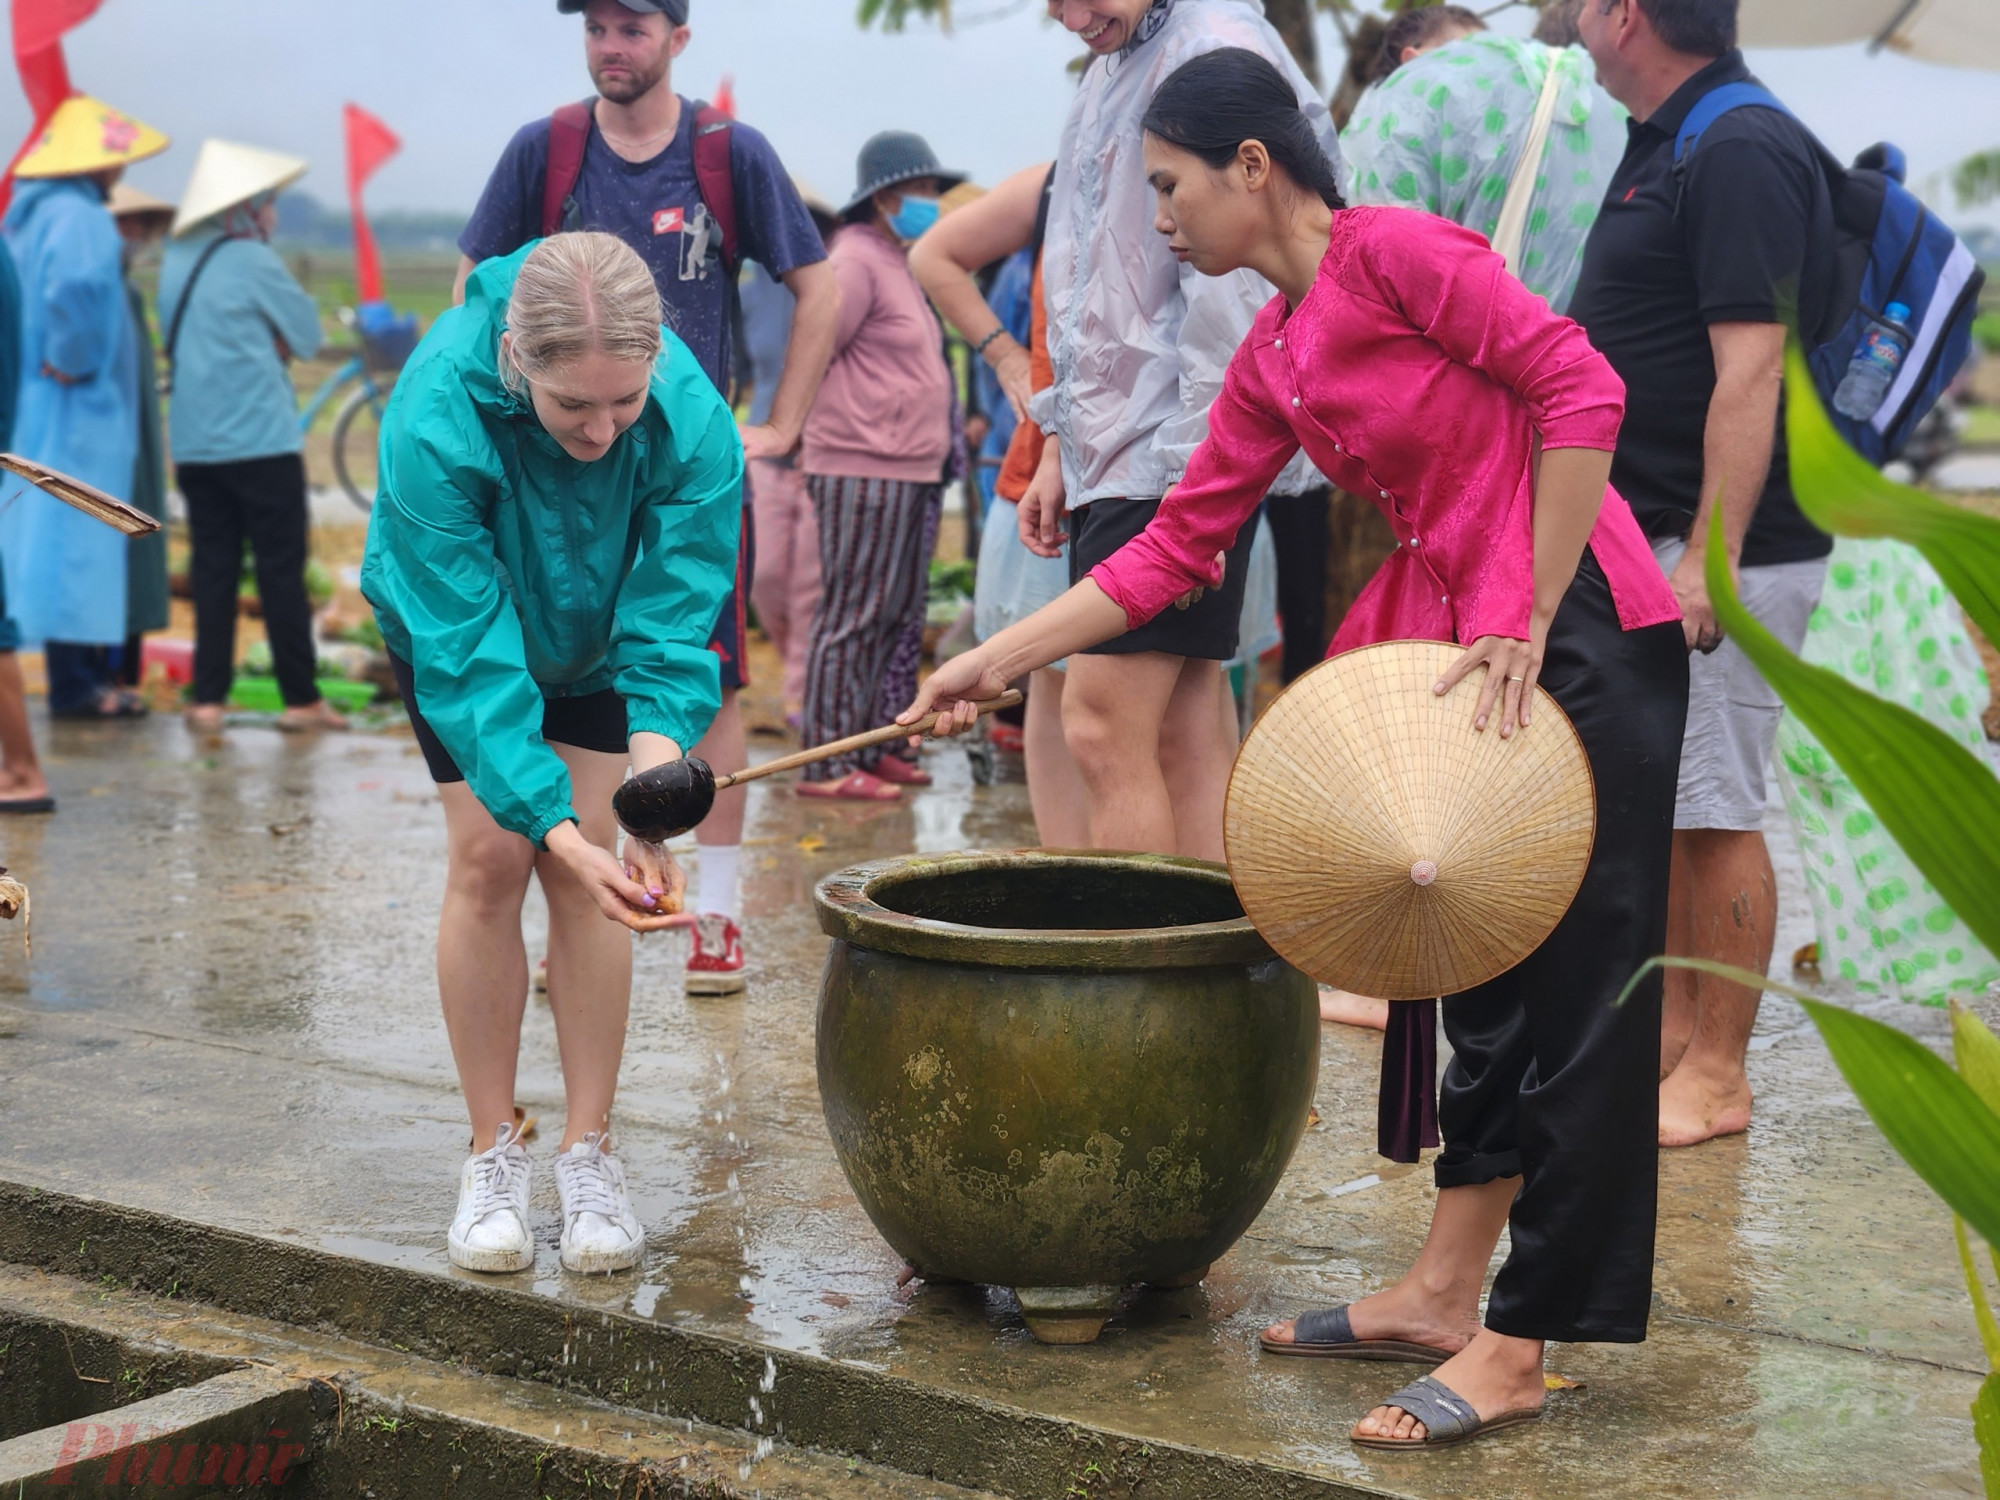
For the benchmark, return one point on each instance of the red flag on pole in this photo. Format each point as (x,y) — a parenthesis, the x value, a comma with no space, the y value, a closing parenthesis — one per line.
(725,96)
(369,144)
(41,23)
(38,32)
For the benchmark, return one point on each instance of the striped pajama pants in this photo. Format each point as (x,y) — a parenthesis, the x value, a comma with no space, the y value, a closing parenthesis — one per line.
(874,572)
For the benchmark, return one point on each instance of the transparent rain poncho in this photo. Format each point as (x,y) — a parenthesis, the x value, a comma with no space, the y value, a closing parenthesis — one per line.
(1138,341)
(1444,133)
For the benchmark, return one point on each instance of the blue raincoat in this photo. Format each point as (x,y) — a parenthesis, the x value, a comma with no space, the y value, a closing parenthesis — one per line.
(65,573)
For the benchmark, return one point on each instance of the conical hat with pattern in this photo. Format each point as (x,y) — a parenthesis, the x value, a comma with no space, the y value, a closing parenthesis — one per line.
(88,135)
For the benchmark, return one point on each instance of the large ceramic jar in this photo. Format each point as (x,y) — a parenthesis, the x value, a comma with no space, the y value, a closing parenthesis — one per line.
(1065,1073)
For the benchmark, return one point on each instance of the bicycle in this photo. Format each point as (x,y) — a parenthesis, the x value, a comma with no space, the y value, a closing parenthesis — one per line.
(385,341)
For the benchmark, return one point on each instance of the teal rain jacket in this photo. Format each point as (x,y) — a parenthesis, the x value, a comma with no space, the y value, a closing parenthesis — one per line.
(506,572)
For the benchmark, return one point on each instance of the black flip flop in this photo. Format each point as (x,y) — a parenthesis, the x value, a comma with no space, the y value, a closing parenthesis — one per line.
(43,804)
(1329,1335)
(1448,1418)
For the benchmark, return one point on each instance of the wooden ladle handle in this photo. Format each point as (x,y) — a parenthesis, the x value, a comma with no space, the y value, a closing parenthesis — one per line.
(857,742)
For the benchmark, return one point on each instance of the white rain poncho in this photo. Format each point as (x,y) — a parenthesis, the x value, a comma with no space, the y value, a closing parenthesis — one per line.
(1139,342)
(1445,131)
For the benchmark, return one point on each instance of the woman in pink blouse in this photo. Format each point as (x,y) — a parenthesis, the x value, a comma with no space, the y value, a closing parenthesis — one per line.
(1412,368)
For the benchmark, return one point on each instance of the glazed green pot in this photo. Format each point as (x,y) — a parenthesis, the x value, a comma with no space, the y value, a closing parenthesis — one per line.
(1061,1072)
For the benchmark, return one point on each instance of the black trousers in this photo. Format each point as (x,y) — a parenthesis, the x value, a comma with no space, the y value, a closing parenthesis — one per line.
(1301,526)
(261,501)
(1549,1081)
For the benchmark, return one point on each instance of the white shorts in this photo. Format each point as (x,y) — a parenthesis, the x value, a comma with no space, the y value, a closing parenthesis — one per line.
(1732,713)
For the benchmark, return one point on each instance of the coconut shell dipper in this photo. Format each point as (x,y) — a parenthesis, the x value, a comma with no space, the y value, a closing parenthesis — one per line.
(668,800)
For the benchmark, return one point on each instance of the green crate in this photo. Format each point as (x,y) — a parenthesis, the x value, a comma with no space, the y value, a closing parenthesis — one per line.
(260,694)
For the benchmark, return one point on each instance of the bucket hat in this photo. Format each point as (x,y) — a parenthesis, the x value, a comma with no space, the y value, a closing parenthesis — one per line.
(88,135)
(1384,846)
(889,158)
(675,11)
(226,174)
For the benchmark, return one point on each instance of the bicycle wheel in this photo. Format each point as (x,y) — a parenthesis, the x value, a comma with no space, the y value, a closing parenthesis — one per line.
(359,424)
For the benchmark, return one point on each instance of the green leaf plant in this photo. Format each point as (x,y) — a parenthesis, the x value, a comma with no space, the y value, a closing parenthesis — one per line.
(1941,803)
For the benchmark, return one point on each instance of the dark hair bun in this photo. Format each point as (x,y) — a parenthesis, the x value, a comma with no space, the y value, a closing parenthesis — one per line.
(1214,103)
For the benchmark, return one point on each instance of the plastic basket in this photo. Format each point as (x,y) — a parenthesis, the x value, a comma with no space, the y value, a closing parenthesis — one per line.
(388,338)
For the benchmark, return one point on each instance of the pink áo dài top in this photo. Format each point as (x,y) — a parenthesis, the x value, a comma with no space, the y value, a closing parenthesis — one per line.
(1417,374)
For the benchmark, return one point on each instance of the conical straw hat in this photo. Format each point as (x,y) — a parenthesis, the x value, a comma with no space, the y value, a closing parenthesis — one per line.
(88,135)
(124,200)
(1382,844)
(226,174)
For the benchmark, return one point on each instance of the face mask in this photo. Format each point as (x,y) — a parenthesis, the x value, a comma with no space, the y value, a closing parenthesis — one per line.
(914,217)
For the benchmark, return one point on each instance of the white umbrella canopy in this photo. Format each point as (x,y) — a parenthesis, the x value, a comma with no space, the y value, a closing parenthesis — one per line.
(1961,33)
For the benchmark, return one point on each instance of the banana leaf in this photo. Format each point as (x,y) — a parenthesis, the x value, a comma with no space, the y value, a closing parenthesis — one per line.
(1929,1114)
(1938,800)
(1840,492)
(1986,1427)
(1976,1050)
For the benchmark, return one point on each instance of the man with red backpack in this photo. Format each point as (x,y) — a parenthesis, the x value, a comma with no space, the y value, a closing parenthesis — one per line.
(695,193)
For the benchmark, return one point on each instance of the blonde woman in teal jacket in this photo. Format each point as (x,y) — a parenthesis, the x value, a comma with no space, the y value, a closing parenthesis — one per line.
(554,530)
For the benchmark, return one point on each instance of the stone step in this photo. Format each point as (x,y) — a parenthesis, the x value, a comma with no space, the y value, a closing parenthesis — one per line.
(642,1367)
(361,1419)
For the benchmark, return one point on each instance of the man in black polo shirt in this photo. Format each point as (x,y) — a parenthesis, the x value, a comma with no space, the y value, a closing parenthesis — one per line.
(1685,281)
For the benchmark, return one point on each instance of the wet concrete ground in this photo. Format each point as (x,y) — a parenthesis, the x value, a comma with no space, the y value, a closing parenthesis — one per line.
(230,1018)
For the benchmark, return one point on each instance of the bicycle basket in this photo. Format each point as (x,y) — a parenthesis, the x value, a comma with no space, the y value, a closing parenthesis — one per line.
(388,338)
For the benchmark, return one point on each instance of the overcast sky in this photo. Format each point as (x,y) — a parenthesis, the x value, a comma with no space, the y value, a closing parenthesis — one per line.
(455,78)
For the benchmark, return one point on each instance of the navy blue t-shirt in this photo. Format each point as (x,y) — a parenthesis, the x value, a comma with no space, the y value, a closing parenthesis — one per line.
(655,206)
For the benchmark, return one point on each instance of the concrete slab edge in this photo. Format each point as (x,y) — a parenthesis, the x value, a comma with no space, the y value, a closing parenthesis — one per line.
(394,1425)
(245,1426)
(845,1409)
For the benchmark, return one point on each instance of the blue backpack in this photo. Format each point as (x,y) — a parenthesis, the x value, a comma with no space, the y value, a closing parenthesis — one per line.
(1890,249)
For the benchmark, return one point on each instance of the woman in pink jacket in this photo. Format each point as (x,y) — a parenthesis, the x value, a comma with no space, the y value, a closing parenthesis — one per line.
(1413,369)
(876,446)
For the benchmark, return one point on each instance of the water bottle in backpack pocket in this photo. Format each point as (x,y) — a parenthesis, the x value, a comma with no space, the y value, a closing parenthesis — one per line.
(1877,360)
(1880,373)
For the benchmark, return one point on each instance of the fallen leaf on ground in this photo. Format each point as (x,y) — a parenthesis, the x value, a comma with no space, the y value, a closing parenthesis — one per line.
(1806,957)
(812,843)
(1560,1383)
(1312,1117)
(835,1299)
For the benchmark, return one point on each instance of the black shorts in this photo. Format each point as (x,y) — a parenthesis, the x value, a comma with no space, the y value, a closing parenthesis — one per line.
(732,626)
(594,721)
(1208,628)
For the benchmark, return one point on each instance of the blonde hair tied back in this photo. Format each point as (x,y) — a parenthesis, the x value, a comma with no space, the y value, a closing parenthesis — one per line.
(578,294)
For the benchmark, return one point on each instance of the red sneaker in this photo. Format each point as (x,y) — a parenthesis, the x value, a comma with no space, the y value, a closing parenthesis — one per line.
(715,966)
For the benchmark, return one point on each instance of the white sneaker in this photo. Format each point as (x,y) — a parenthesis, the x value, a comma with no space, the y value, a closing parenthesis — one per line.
(599,1230)
(490,1232)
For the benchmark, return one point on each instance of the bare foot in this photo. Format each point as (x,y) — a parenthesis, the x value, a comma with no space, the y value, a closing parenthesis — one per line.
(320,715)
(1695,1107)
(1353,1010)
(1497,1374)
(1406,1312)
(1676,1032)
(204,718)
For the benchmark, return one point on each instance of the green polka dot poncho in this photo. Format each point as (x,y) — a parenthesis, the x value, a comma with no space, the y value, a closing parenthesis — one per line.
(1444,133)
